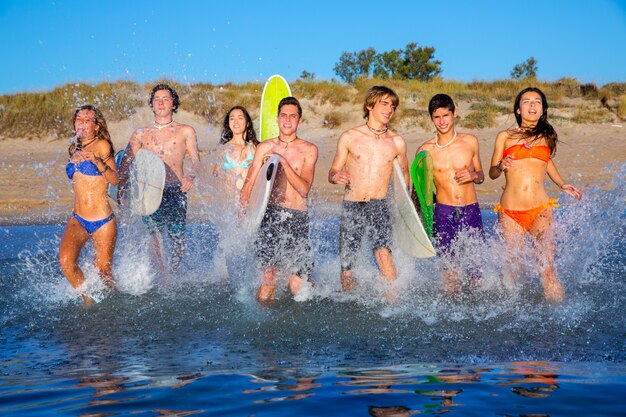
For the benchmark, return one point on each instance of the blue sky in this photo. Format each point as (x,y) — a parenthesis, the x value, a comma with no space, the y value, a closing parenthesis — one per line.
(49,43)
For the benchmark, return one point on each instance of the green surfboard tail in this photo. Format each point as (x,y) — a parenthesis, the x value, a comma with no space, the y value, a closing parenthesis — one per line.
(424,184)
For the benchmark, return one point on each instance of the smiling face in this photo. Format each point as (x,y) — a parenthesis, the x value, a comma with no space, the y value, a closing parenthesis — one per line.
(237,122)
(288,119)
(443,118)
(530,108)
(383,111)
(85,124)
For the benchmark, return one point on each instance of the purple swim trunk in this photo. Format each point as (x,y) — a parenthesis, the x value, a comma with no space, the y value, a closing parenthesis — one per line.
(449,221)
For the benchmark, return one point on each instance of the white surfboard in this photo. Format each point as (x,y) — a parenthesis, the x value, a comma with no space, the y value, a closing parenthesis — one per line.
(406,224)
(147,180)
(260,195)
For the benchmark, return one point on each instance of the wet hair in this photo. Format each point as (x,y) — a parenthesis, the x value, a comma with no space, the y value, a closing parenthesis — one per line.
(249,135)
(175,98)
(376,94)
(543,129)
(440,101)
(101,133)
(290,101)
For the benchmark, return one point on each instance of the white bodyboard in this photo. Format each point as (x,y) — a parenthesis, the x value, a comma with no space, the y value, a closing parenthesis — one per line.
(260,195)
(147,180)
(407,226)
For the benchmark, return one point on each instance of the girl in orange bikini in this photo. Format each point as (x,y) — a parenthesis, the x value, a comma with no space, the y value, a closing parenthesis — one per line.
(524,155)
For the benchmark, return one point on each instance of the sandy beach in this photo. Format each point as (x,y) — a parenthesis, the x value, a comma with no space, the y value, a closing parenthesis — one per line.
(35,190)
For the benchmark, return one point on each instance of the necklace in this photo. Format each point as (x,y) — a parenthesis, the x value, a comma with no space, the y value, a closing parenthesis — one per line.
(285,142)
(447,144)
(81,145)
(377,133)
(162,126)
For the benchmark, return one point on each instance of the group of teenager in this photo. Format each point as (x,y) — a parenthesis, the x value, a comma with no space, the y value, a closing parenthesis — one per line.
(362,164)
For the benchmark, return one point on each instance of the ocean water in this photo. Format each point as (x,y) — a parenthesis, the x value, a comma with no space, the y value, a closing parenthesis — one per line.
(195,341)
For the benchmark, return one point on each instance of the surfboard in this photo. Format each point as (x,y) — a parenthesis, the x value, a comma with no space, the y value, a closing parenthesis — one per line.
(112,192)
(275,89)
(422,174)
(260,194)
(406,224)
(146,183)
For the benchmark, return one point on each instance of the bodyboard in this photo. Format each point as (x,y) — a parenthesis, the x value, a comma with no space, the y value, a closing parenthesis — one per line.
(406,224)
(147,180)
(112,192)
(422,174)
(276,89)
(260,194)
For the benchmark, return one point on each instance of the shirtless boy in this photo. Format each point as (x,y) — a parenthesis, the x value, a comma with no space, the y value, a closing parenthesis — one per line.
(284,232)
(172,141)
(457,168)
(363,164)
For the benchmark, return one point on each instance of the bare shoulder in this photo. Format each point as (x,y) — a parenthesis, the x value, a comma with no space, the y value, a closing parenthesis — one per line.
(309,147)
(352,134)
(468,138)
(398,141)
(139,133)
(187,130)
(426,146)
(265,146)
(103,147)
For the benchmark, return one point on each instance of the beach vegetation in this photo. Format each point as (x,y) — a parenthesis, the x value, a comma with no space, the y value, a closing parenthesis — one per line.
(47,115)
(525,70)
(322,92)
(411,63)
(483,115)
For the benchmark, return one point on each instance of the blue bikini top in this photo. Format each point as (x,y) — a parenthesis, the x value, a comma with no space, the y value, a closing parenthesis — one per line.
(230,164)
(84,167)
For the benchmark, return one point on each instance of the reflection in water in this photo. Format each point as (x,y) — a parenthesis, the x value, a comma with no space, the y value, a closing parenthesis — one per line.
(191,332)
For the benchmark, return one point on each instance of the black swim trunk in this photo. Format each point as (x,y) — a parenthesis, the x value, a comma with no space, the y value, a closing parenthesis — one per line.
(359,218)
(283,239)
(171,214)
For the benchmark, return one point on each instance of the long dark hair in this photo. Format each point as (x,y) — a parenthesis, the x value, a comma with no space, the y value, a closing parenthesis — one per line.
(543,129)
(249,135)
(101,133)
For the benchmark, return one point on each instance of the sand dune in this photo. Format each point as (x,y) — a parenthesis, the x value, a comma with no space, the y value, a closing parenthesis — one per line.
(35,190)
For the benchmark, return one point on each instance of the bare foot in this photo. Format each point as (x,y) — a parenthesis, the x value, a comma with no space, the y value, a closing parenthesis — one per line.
(552,288)
(348,282)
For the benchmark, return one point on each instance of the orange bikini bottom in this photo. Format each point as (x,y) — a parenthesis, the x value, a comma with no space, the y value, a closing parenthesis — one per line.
(526,218)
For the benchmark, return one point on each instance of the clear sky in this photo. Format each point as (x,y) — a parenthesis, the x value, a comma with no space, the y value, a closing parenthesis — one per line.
(48,43)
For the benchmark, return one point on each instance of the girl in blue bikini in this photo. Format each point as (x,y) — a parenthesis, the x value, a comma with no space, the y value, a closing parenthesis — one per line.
(239,143)
(234,156)
(91,169)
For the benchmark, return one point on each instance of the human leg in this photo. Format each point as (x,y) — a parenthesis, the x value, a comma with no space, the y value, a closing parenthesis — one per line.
(542,238)
(267,288)
(379,222)
(513,236)
(104,244)
(350,236)
(73,239)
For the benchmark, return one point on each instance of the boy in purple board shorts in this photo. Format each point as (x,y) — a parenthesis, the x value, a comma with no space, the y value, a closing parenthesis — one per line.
(457,168)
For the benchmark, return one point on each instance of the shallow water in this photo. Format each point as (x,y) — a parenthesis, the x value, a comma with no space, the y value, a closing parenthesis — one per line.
(196,341)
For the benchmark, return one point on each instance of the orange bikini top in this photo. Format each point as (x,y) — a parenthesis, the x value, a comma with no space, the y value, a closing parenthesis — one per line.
(523,151)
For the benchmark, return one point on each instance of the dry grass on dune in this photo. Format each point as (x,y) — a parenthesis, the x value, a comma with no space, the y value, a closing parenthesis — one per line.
(47,114)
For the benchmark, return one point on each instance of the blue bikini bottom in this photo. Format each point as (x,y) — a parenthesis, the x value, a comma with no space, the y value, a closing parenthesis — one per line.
(92,226)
